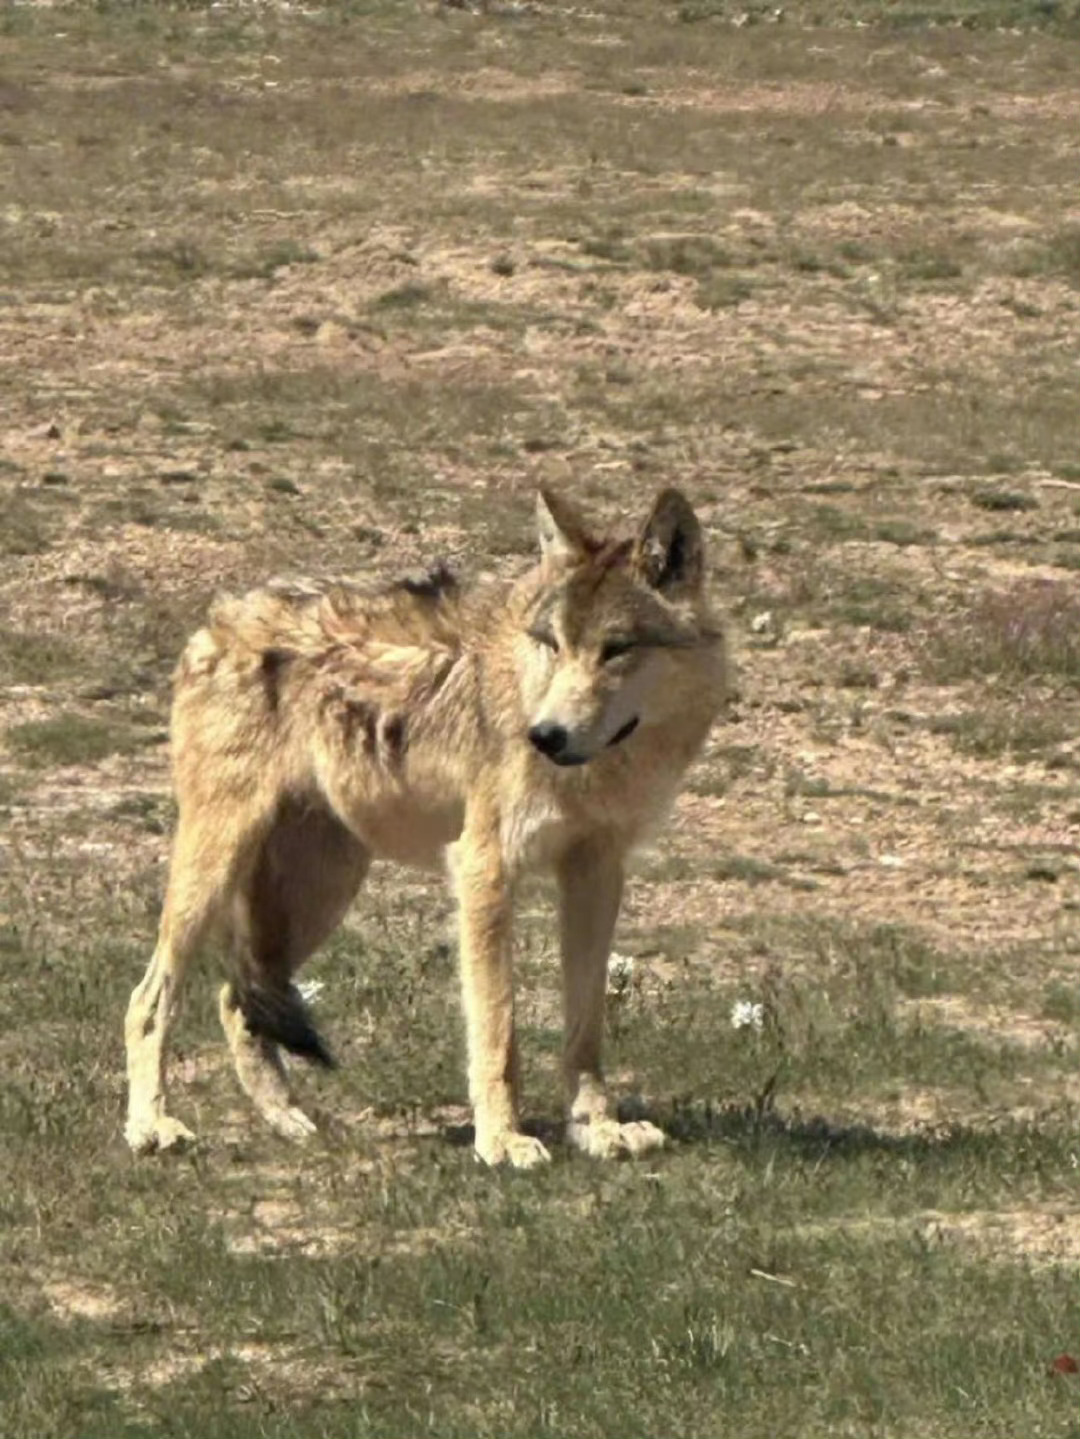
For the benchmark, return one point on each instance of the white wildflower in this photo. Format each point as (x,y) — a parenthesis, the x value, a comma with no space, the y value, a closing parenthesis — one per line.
(311,989)
(620,972)
(745,1014)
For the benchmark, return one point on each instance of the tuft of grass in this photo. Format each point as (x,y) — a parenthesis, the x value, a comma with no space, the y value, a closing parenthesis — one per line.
(902,532)
(1031,628)
(264,264)
(746,869)
(33,658)
(685,254)
(839,524)
(181,257)
(835,524)
(1003,501)
(858,675)
(869,602)
(72,738)
(1061,1001)
(722,291)
(149,812)
(930,266)
(29,521)
(610,244)
(993,730)
(1058,255)
(404,297)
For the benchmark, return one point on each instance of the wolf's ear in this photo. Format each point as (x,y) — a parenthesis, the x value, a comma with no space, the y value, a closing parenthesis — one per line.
(562,532)
(669,553)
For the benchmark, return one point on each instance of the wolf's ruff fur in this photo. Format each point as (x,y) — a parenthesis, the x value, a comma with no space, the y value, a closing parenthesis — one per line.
(543,724)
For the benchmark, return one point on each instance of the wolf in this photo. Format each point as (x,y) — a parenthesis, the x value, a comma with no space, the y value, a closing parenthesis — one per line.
(542,724)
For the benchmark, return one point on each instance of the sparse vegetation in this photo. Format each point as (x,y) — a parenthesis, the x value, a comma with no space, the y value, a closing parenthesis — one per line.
(1029,629)
(330,288)
(1058,254)
(1007,728)
(28,523)
(404,297)
(1003,501)
(37,658)
(72,739)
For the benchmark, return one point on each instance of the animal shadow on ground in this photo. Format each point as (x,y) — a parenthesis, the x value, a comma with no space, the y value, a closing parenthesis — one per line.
(749,1127)
(746,1128)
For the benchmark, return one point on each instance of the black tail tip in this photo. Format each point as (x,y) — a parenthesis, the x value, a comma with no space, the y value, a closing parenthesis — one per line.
(282,1016)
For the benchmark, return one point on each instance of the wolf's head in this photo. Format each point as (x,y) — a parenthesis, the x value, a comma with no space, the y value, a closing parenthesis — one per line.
(616,631)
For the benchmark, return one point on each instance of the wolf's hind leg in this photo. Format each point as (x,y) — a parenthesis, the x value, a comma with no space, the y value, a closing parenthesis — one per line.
(261,1072)
(306,876)
(590,882)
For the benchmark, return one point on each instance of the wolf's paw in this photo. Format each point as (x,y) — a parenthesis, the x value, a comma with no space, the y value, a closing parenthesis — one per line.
(291,1123)
(160,1132)
(520,1151)
(604,1138)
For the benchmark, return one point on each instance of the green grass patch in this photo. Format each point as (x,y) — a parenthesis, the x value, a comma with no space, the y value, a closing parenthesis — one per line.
(264,264)
(1057,255)
(33,658)
(722,291)
(31,520)
(1061,1002)
(405,297)
(73,738)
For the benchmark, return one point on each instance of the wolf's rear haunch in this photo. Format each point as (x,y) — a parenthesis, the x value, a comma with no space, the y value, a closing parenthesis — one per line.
(538,725)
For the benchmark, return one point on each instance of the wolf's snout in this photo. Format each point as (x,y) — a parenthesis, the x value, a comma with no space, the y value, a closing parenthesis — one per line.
(549,738)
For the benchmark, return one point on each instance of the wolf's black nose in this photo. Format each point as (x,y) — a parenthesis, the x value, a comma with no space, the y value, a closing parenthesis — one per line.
(549,739)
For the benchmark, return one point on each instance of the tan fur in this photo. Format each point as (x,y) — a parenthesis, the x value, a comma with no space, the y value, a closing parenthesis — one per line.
(316,727)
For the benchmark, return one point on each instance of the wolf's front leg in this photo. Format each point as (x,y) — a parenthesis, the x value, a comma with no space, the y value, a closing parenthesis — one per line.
(590,889)
(485,903)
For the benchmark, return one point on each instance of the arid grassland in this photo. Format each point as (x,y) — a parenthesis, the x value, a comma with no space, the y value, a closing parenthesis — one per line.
(333,287)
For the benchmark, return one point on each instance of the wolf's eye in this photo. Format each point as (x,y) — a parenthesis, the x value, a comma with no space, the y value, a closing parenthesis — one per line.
(545,638)
(613,649)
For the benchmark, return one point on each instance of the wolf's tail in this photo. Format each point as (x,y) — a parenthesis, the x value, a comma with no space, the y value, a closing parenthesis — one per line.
(278,1013)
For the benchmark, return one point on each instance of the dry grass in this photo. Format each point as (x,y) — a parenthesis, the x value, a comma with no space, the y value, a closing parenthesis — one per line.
(1029,630)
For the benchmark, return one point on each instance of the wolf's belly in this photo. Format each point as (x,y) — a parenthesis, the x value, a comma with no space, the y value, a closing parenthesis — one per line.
(412,834)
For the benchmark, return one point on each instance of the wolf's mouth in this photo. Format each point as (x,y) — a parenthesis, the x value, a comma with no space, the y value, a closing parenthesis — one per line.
(567,758)
(627,730)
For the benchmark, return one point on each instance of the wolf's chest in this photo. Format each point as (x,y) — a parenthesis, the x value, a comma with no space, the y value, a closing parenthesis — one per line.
(533,830)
